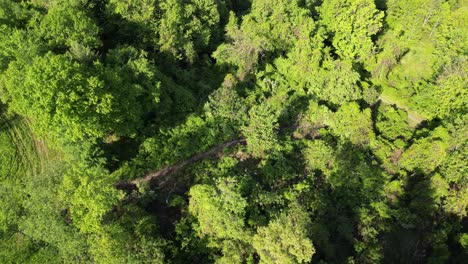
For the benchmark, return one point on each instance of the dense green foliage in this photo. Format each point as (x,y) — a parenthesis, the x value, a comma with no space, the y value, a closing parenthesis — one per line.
(233,131)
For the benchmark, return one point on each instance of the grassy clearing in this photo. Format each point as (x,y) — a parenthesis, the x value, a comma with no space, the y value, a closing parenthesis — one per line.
(21,153)
(18,150)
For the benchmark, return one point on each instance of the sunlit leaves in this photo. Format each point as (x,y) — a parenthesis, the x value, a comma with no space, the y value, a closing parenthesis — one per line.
(426,154)
(219,209)
(353,124)
(90,194)
(261,130)
(285,239)
(352,24)
(67,23)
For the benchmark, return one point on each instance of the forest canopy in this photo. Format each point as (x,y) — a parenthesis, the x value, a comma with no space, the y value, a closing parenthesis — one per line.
(233,131)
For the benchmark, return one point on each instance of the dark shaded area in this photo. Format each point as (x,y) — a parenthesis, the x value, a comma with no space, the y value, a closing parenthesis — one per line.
(119,151)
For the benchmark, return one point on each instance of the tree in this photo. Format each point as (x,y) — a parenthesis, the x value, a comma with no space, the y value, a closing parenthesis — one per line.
(17,44)
(350,123)
(319,156)
(54,92)
(66,24)
(141,11)
(134,84)
(340,82)
(61,95)
(285,239)
(428,153)
(88,193)
(245,49)
(352,24)
(220,210)
(451,91)
(270,27)
(225,103)
(14,14)
(261,129)
(188,28)
(392,122)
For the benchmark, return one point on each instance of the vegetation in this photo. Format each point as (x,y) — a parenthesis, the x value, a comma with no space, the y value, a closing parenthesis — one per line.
(250,131)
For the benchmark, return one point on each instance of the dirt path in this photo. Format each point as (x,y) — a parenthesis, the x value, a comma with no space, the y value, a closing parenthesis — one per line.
(414,118)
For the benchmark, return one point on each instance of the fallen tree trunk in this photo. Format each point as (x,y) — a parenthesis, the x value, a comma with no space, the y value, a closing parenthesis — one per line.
(215,152)
(172,169)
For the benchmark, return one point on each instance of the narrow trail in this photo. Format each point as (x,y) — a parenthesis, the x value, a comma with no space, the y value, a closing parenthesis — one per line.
(172,169)
(413,117)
